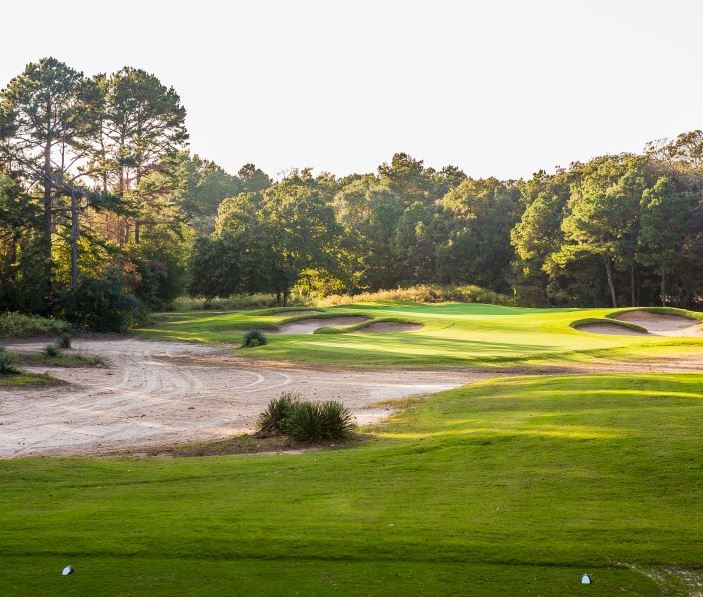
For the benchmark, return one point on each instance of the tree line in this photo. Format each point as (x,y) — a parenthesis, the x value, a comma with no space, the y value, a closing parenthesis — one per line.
(103,211)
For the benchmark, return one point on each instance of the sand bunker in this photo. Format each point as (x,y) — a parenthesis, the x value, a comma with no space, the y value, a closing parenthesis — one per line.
(661,324)
(308,326)
(612,329)
(387,327)
(294,313)
(155,393)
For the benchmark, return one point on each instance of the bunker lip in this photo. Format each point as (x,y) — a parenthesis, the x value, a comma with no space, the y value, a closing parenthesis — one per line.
(662,324)
(382,327)
(612,329)
(308,326)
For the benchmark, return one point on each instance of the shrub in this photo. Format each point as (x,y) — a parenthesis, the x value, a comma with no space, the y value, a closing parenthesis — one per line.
(51,350)
(64,341)
(7,366)
(253,338)
(318,421)
(19,325)
(273,420)
(101,304)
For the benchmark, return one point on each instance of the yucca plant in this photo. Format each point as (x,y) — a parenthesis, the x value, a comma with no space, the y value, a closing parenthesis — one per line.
(273,420)
(253,338)
(64,341)
(7,365)
(319,421)
(51,350)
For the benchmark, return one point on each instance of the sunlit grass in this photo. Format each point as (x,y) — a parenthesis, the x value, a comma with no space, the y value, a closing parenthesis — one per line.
(452,334)
(506,487)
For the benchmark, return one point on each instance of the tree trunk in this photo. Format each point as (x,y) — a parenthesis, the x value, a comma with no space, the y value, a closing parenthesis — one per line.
(47,208)
(278,298)
(633,293)
(74,239)
(609,274)
(286,295)
(663,287)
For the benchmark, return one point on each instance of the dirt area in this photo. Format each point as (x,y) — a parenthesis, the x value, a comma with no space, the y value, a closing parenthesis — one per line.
(661,324)
(155,393)
(609,328)
(308,326)
(387,327)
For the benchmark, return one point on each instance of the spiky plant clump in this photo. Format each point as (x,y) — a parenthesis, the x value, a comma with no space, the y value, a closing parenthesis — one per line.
(51,350)
(253,338)
(319,421)
(7,365)
(273,420)
(64,341)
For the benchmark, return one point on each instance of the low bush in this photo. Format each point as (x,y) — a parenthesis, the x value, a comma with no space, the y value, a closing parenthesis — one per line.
(51,350)
(64,341)
(253,338)
(19,325)
(273,420)
(318,421)
(7,364)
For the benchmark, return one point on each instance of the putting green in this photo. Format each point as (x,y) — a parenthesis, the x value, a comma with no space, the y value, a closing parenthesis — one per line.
(514,486)
(452,334)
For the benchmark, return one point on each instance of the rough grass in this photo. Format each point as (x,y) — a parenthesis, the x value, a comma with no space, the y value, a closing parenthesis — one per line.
(509,487)
(62,359)
(453,334)
(22,378)
(19,325)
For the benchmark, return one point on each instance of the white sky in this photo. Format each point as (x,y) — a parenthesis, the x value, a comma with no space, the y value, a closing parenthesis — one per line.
(497,88)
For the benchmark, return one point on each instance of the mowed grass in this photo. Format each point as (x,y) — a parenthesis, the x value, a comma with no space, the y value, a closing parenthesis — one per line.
(506,487)
(452,334)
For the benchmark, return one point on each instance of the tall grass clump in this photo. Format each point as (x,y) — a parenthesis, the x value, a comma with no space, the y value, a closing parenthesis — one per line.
(51,350)
(423,293)
(7,365)
(19,325)
(253,338)
(64,341)
(319,421)
(273,420)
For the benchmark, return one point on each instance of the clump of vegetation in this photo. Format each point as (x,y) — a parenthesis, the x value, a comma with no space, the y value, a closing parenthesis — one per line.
(7,364)
(64,341)
(19,325)
(273,420)
(253,338)
(319,421)
(51,350)
(423,293)
(304,420)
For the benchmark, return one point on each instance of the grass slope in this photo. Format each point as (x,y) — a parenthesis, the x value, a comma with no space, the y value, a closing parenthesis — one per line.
(508,487)
(453,334)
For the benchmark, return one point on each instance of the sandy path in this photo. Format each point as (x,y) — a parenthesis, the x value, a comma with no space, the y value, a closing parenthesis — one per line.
(159,392)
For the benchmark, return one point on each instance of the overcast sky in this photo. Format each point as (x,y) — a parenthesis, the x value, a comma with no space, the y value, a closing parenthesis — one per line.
(499,88)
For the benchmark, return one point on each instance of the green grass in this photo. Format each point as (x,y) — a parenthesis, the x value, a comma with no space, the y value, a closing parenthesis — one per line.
(22,378)
(509,487)
(452,334)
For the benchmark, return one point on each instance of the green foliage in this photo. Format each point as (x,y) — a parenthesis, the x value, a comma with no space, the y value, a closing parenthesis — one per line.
(272,421)
(64,341)
(19,325)
(7,362)
(101,304)
(51,350)
(318,421)
(253,338)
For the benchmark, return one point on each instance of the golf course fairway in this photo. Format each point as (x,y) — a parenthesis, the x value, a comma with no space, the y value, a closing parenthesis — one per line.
(510,486)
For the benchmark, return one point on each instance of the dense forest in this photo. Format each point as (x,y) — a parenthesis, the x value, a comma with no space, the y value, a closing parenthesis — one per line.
(104,214)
